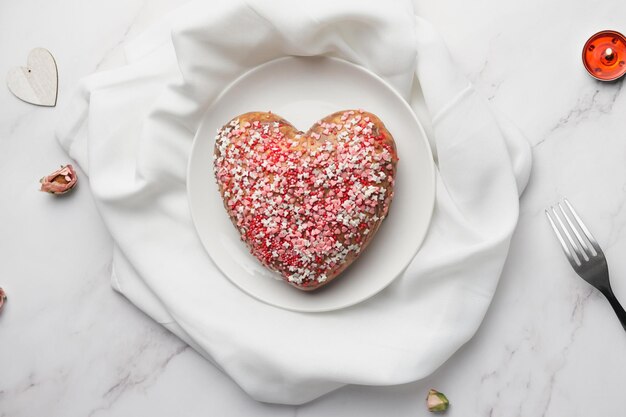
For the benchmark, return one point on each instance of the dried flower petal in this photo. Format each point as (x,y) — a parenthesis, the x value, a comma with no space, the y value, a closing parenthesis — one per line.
(3,297)
(436,401)
(60,181)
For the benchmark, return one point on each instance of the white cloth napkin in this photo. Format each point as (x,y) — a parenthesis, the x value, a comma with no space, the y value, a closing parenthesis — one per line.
(131,129)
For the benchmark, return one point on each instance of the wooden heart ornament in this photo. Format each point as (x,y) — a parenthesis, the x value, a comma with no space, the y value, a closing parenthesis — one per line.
(37,82)
(306,204)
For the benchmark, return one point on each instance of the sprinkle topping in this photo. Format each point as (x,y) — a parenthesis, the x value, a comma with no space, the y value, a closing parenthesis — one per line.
(306,204)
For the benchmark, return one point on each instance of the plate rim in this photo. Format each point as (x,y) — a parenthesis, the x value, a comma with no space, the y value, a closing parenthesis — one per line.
(424,138)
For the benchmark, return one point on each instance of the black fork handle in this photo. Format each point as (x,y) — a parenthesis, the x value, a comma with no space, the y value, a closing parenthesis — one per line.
(617,307)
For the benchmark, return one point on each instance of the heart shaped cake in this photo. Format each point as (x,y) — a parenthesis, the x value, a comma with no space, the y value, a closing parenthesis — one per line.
(306,204)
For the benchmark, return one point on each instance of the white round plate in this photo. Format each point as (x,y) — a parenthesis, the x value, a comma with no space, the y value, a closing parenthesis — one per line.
(304,90)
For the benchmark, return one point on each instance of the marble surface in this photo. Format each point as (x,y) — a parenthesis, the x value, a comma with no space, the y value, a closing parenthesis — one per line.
(550,345)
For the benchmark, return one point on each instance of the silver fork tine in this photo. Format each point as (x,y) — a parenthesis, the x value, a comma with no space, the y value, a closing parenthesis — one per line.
(583,244)
(579,257)
(586,231)
(568,254)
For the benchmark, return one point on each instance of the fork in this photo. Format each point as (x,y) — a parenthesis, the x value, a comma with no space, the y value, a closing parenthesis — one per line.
(583,253)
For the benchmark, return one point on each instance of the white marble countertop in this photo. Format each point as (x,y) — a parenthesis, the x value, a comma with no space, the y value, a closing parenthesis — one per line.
(549,345)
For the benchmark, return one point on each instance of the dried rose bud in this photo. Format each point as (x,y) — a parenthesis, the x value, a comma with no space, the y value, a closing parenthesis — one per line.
(3,297)
(436,401)
(60,181)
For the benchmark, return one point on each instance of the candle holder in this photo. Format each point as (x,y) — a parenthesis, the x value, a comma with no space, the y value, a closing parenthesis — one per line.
(604,55)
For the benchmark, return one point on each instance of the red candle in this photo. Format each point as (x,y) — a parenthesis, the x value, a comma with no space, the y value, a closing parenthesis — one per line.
(604,55)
